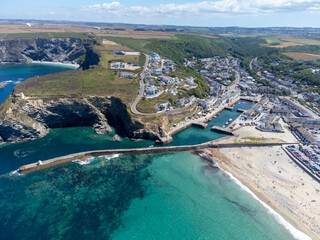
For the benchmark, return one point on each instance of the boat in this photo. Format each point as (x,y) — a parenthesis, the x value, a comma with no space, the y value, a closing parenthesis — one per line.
(224,126)
(230,119)
(227,123)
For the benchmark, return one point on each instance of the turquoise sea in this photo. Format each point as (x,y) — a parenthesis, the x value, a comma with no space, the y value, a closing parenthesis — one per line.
(163,196)
(14,73)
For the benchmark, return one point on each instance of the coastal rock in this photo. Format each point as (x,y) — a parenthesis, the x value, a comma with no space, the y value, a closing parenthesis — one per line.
(102,127)
(31,118)
(40,49)
(116,138)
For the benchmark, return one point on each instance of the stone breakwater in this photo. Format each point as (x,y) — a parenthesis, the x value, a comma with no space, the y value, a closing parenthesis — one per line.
(151,150)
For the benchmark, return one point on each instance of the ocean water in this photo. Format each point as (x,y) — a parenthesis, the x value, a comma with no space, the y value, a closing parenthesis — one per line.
(164,196)
(168,196)
(65,141)
(14,73)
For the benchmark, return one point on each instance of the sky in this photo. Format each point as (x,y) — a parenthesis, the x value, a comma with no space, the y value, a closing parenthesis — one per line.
(217,13)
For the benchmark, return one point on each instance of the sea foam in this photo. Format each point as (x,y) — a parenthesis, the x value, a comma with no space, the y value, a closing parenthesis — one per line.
(84,162)
(296,233)
(15,173)
(108,157)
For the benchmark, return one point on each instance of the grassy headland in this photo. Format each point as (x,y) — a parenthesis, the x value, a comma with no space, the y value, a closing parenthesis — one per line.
(98,79)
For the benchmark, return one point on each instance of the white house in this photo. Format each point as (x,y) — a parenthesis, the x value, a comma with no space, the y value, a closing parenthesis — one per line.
(151,90)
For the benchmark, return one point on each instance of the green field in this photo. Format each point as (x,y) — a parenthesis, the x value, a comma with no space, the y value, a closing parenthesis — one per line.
(272,40)
(133,43)
(98,80)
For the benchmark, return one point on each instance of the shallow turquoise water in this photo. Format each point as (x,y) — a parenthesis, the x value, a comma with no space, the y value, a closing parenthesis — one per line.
(65,141)
(21,72)
(171,196)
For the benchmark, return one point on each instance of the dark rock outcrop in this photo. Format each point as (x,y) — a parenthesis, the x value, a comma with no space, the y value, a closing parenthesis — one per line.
(31,118)
(116,138)
(40,49)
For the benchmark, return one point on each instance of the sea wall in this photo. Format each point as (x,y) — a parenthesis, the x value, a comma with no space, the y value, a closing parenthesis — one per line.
(84,155)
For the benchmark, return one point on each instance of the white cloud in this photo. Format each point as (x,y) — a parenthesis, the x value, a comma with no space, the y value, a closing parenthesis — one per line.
(220,7)
(52,13)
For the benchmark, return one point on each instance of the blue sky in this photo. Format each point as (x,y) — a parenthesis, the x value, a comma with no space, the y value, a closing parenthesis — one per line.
(218,13)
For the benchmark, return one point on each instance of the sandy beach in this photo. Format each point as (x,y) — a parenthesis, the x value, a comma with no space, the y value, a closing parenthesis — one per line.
(75,65)
(271,175)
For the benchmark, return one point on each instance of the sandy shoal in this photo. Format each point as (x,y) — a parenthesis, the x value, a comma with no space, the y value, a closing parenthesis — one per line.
(276,180)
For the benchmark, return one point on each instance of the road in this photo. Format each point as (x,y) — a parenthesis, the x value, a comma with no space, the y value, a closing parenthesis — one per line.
(141,90)
(253,61)
(233,86)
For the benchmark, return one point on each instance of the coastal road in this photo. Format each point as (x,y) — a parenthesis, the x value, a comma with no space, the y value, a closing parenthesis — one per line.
(141,90)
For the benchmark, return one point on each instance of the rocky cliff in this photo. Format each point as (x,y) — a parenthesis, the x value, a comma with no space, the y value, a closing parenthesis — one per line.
(31,118)
(40,49)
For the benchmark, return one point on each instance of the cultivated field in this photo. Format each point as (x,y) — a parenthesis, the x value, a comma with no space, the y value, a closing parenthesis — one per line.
(304,41)
(302,56)
(285,44)
(136,34)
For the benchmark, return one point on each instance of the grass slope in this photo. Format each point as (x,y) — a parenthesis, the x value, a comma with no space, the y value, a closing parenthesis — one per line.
(100,80)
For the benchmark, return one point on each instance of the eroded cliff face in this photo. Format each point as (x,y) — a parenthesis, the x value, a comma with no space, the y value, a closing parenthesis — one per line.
(40,49)
(31,118)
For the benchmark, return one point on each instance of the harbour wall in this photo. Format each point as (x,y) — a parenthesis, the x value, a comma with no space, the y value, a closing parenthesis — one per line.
(151,150)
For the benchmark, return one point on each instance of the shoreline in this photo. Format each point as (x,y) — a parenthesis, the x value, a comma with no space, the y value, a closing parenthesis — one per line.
(273,200)
(295,231)
(75,65)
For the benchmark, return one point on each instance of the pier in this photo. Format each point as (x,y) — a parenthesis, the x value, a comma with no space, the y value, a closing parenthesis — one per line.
(200,125)
(240,110)
(229,108)
(33,167)
(221,130)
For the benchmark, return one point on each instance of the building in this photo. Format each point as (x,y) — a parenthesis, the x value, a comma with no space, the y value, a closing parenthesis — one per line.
(119,65)
(157,71)
(301,120)
(126,75)
(117,52)
(284,112)
(300,111)
(305,136)
(173,91)
(269,118)
(181,101)
(190,81)
(270,127)
(151,90)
